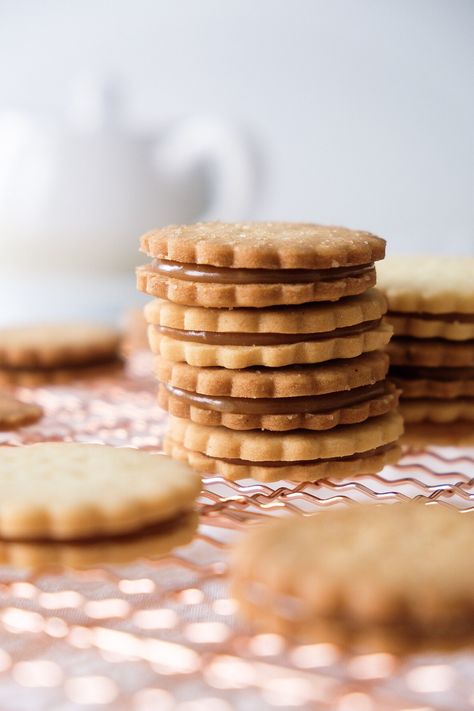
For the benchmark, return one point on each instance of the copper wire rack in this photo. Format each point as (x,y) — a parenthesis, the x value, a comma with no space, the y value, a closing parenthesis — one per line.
(163,633)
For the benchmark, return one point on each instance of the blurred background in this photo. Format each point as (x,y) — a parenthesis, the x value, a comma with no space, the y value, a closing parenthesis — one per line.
(119,116)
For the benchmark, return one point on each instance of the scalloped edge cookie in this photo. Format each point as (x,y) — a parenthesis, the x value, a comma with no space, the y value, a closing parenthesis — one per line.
(298,472)
(292,381)
(258,446)
(443,389)
(431,410)
(430,353)
(428,283)
(249,295)
(410,325)
(317,318)
(351,414)
(236,357)
(66,490)
(263,245)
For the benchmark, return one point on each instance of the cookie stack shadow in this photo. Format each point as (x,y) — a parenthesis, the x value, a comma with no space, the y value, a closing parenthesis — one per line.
(269,343)
(431,308)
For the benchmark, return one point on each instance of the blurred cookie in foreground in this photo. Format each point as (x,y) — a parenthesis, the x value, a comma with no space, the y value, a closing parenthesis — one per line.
(15,413)
(69,491)
(431,308)
(151,543)
(34,354)
(392,577)
(223,265)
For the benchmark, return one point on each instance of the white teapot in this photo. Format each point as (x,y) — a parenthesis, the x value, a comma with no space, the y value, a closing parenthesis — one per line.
(75,196)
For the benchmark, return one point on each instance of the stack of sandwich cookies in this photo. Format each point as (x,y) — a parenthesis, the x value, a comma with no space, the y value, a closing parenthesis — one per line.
(235,377)
(431,307)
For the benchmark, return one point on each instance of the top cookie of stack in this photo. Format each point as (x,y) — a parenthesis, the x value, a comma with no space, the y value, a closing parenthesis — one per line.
(257,264)
(248,349)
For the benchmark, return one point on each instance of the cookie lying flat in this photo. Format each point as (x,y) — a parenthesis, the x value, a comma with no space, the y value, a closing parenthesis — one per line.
(299,455)
(360,574)
(57,345)
(452,327)
(443,383)
(433,410)
(150,543)
(432,353)
(35,377)
(14,413)
(257,264)
(279,399)
(72,491)
(276,337)
(420,435)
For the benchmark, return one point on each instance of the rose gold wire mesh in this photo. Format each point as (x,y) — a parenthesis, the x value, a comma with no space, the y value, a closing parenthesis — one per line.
(163,634)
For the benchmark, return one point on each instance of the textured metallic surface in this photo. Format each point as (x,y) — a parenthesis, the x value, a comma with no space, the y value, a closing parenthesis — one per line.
(162,633)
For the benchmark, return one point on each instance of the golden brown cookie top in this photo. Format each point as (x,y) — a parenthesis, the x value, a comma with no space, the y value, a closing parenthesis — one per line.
(265,245)
(428,283)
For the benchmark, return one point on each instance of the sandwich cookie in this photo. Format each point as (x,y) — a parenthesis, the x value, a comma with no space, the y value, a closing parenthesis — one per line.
(220,265)
(273,337)
(300,577)
(35,354)
(300,455)
(279,399)
(64,490)
(431,308)
(15,413)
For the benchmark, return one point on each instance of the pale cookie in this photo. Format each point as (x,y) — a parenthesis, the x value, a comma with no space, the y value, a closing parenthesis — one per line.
(214,294)
(360,575)
(71,491)
(264,245)
(151,543)
(35,377)
(301,352)
(432,410)
(425,326)
(319,412)
(431,353)
(307,319)
(356,465)
(428,284)
(57,345)
(441,389)
(292,381)
(299,455)
(14,413)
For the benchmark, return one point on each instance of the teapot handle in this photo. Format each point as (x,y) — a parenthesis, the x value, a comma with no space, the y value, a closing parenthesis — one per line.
(210,141)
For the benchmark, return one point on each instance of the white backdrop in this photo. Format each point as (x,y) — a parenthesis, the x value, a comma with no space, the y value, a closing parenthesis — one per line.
(363,109)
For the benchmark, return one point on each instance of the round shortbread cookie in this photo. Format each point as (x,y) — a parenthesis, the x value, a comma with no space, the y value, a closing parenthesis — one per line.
(311,413)
(423,327)
(301,352)
(401,574)
(428,284)
(35,377)
(14,413)
(314,318)
(257,446)
(356,466)
(292,381)
(446,434)
(430,352)
(72,491)
(263,245)
(57,345)
(432,410)
(151,543)
(431,388)
(215,294)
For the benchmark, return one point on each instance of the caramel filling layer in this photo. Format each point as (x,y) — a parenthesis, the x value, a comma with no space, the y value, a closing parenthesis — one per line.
(283,405)
(224,275)
(426,373)
(262,339)
(446,318)
(305,462)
